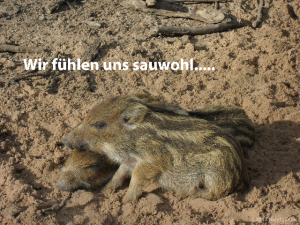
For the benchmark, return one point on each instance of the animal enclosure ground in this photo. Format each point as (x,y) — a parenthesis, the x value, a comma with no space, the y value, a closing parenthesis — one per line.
(256,69)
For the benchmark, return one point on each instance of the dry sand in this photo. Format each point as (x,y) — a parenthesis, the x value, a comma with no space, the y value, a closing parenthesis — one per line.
(256,69)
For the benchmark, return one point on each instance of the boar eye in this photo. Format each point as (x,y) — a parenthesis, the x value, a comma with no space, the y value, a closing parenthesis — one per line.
(97,166)
(99,125)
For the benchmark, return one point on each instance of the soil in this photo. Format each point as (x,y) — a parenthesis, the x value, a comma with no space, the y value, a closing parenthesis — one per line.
(255,68)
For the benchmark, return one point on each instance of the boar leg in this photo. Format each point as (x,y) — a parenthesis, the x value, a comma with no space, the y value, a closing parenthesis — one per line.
(141,176)
(122,173)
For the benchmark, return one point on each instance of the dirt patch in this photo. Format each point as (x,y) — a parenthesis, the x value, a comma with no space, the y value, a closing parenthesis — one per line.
(256,69)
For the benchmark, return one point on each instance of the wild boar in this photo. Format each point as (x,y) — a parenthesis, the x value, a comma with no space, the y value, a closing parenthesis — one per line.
(85,170)
(189,155)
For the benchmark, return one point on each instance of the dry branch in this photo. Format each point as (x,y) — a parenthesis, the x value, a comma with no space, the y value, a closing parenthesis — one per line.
(174,30)
(140,6)
(60,206)
(35,73)
(259,14)
(13,48)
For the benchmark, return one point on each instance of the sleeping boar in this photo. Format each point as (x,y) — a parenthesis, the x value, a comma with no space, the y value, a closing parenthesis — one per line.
(85,170)
(189,155)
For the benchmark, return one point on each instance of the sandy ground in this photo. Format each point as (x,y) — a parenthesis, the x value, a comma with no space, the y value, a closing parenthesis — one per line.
(256,69)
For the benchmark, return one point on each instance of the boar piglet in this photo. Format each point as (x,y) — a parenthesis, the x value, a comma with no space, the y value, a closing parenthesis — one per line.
(85,170)
(231,119)
(188,155)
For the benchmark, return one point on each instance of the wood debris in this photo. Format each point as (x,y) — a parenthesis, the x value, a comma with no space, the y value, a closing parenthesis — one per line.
(259,14)
(211,15)
(175,30)
(35,73)
(20,49)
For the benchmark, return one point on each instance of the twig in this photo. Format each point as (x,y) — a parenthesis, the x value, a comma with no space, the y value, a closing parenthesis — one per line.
(259,14)
(174,30)
(13,48)
(29,74)
(60,206)
(140,6)
(33,73)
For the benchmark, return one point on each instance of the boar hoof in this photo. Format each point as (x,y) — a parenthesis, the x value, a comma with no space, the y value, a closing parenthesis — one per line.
(130,198)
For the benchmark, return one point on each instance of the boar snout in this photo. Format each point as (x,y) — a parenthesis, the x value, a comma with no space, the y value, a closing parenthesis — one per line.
(75,143)
(71,185)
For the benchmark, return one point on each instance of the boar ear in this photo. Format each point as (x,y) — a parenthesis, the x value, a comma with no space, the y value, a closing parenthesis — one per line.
(133,115)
